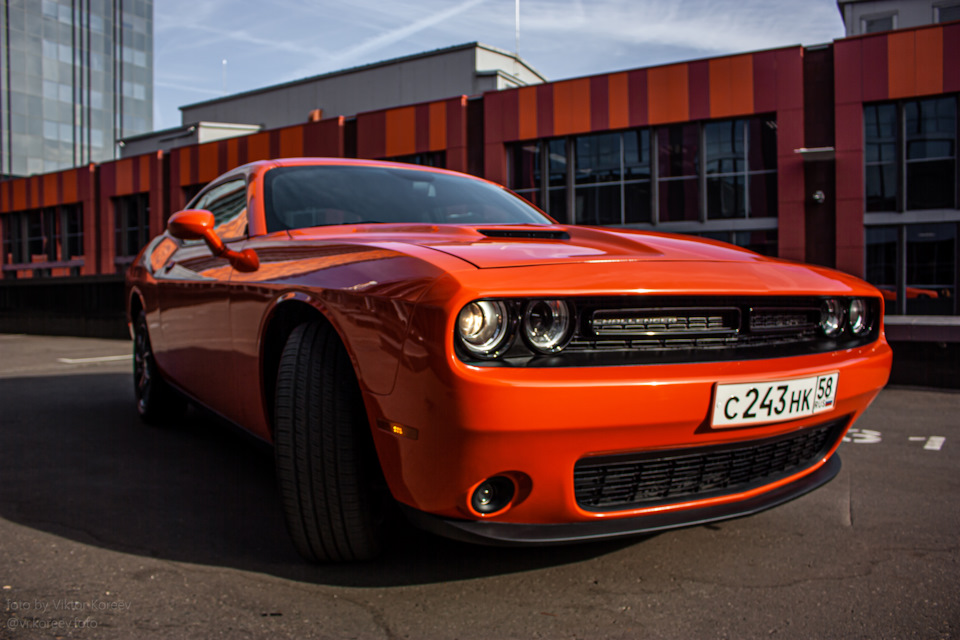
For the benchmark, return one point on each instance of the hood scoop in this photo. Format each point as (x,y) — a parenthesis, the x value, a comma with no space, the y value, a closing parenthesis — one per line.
(532,234)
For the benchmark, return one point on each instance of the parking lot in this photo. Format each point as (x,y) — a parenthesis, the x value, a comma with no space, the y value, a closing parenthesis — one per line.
(111,529)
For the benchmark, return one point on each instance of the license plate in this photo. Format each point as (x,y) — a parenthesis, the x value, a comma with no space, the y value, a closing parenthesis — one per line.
(774,401)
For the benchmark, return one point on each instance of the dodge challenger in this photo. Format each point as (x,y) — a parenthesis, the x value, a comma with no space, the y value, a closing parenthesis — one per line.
(417,341)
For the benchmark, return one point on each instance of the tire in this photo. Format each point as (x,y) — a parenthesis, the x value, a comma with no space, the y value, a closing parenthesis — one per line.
(331,485)
(157,401)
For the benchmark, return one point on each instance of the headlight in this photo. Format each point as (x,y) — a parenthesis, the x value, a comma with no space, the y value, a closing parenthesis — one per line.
(546,325)
(859,317)
(831,318)
(483,327)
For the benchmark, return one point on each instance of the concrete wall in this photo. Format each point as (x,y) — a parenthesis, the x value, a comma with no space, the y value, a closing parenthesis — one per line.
(909,13)
(423,78)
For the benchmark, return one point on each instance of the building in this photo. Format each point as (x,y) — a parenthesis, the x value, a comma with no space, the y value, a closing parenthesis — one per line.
(873,16)
(843,154)
(467,69)
(75,77)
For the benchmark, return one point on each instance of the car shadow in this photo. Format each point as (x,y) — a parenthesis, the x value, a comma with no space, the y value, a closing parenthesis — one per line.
(76,461)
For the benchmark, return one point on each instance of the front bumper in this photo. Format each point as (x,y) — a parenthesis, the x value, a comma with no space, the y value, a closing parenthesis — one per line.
(517,534)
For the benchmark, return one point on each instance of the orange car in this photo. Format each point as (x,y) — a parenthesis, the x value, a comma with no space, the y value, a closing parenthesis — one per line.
(422,341)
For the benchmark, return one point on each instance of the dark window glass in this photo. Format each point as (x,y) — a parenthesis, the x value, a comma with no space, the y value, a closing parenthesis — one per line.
(763,195)
(598,159)
(636,205)
(874,25)
(880,156)
(724,146)
(762,241)
(558,204)
(228,204)
(430,159)
(557,162)
(948,14)
(35,239)
(931,128)
(931,268)
(309,196)
(131,216)
(679,150)
(73,224)
(598,205)
(882,257)
(725,197)
(931,134)
(679,200)
(636,154)
(9,242)
(525,166)
(930,184)
(763,144)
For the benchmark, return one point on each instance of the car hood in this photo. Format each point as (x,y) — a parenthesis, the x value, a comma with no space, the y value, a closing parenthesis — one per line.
(498,246)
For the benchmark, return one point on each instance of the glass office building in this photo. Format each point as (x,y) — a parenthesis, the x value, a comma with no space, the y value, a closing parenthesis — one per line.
(76,76)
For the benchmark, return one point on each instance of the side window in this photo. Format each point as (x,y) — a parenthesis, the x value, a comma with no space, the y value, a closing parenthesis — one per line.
(228,204)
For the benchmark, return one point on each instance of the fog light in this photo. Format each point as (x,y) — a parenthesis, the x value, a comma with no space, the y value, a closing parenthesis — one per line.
(492,495)
(831,318)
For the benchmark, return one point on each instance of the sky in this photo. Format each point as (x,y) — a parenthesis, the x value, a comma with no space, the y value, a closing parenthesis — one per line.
(265,43)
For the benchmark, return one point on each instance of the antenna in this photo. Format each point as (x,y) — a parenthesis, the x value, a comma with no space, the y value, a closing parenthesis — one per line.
(516,42)
(225,75)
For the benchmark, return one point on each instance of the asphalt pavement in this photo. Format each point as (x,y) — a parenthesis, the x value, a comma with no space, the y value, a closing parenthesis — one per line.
(112,529)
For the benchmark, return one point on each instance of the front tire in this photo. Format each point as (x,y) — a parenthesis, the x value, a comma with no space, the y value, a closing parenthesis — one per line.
(327,469)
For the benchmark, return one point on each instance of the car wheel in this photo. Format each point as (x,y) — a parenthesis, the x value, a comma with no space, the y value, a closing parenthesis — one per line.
(330,481)
(157,401)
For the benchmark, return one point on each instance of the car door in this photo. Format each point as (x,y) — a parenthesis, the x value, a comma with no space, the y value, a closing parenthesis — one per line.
(195,304)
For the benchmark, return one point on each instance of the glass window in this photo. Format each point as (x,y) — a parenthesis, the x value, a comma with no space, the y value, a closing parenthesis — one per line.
(931,268)
(228,204)
(948,13)
(598,162)
(880,156)
(72,224)
(879,23)
(131,220)
(556,151)
(524,171)
(931,135)
(679,164)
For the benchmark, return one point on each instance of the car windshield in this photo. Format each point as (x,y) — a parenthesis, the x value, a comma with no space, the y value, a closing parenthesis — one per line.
(322,195)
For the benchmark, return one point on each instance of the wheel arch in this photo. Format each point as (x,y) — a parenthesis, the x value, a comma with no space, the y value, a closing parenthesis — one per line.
(287,313)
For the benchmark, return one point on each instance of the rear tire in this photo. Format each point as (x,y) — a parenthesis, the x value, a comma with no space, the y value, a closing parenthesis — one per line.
(327,469)
(157,401)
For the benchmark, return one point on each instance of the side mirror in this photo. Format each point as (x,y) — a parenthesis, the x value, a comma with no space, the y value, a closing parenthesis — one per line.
(197,224)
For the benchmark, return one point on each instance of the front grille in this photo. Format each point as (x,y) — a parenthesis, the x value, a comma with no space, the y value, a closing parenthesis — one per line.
(628,481)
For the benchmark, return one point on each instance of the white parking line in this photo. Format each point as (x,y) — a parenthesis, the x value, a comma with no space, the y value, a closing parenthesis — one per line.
(934,443)
(89,360)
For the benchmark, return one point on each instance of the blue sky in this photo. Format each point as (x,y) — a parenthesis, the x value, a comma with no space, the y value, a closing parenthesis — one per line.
(269,42)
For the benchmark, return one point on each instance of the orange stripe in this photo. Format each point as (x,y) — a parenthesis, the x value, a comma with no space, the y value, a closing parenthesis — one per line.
(668,94)
(50,189)
(619,100)
(930,61)
(571,106)
(291,142)
(438,126)
(209,159)
(527,113)
(741,84)
(401,131)
(124,177)
(70,186)
(901,64)
(19,195)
